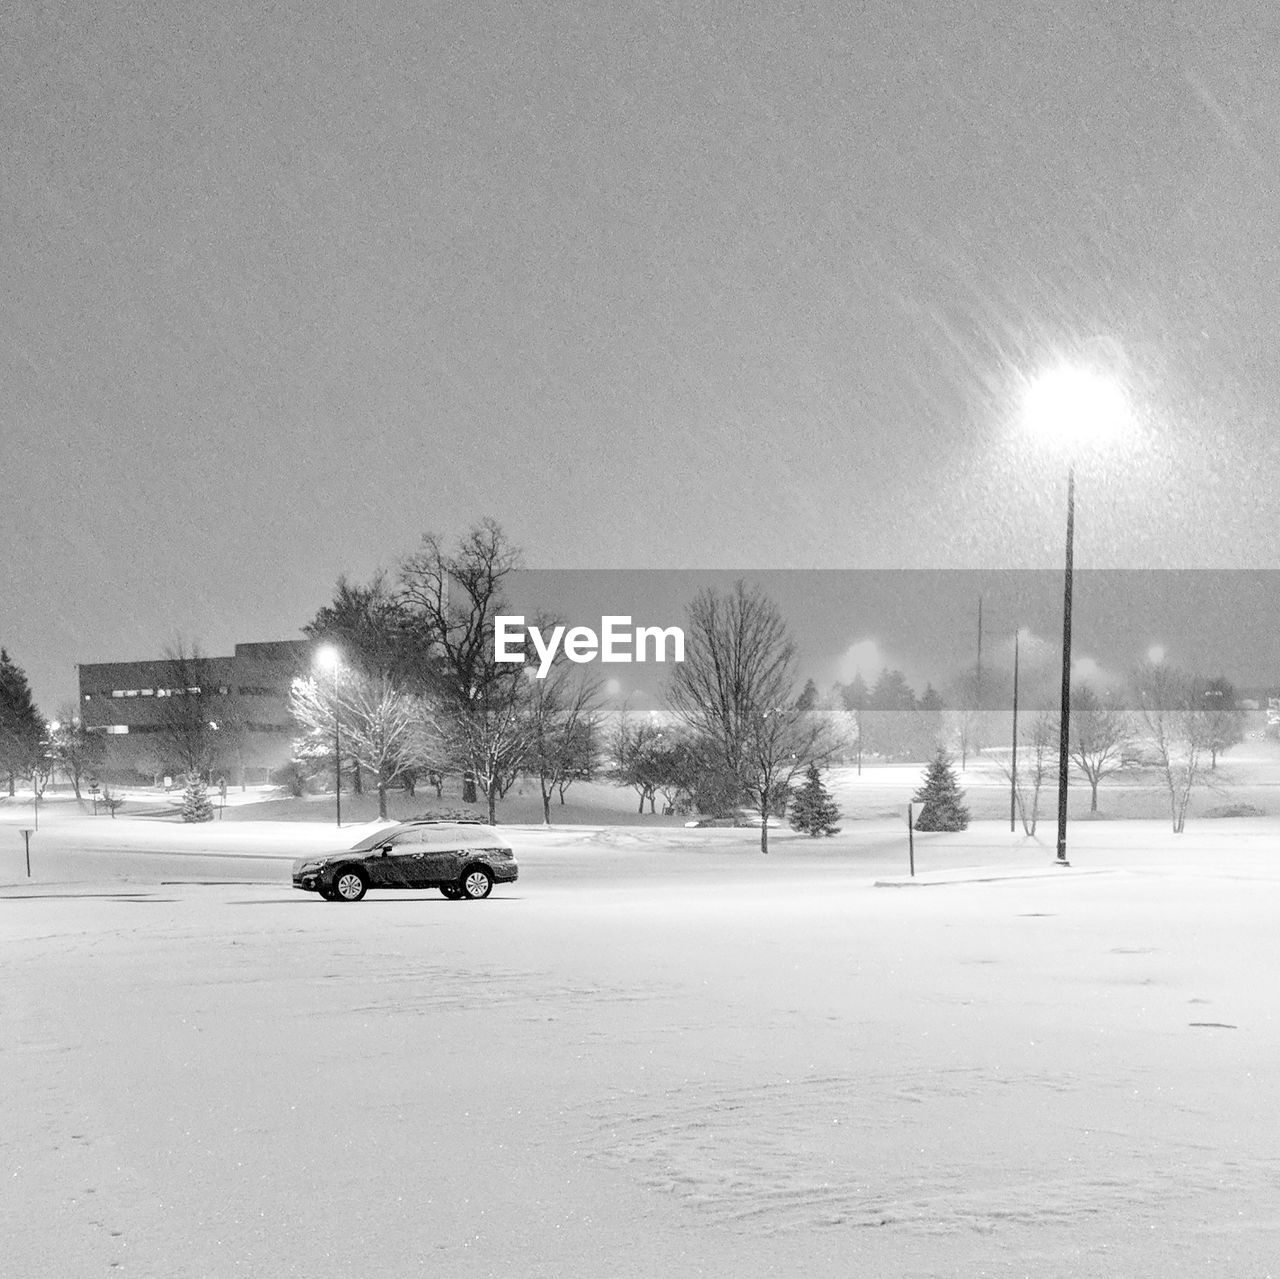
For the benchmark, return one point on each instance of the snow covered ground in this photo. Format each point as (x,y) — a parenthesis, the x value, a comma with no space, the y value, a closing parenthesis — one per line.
(658,1053)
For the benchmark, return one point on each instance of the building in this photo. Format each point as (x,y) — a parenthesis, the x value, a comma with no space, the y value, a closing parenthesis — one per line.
(237,706)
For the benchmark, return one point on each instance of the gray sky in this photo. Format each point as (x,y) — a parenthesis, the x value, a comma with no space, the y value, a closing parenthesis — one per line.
(656,285)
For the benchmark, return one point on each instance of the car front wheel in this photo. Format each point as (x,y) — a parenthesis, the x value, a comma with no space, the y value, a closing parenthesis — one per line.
(350,886)
(476,883)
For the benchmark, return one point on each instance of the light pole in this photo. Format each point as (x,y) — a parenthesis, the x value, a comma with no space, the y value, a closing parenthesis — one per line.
(1013,764)
(1075,407)
(1064,737)
(329,656)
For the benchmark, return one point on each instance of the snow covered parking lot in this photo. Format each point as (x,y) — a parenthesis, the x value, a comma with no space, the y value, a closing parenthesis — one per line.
(657,1053)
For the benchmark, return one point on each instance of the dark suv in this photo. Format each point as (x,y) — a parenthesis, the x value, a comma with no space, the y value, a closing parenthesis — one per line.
(462,859)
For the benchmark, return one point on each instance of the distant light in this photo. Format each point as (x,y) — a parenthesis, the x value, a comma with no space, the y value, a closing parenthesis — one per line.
(1155,654)
(1075,406)
(328,655)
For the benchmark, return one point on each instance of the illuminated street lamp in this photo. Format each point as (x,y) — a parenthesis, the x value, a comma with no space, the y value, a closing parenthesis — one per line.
(329,656)
(1077,408)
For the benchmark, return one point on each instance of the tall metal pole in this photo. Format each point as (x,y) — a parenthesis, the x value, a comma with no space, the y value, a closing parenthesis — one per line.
(1013,767)
(1064,741)
(337,747)
(977,719)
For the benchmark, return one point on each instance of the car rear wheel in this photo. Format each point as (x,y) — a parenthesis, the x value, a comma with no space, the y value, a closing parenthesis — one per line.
(350,886)
(476,883)
(451,891)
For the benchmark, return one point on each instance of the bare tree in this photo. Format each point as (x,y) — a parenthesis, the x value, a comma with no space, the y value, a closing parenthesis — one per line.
(964,717)
(1175,728)
(1037,761)
(784,741)
(1223,717)
(188,716)
(563,713)
(736,691)
(76,751)
(1101,741)
(481,705)
(856,697)
(635,756)
(381,727)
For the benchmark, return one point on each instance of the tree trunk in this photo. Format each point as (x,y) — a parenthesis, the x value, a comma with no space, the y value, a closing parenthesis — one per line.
(546,808)
(382,799)
(493,806)
(1093,796)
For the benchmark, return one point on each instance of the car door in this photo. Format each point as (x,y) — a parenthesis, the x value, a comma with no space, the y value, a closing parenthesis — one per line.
(440,858)
(382,866)
(406,866)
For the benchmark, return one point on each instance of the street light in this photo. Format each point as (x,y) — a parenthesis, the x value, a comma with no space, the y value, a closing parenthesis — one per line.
(1013,763)
(1078,408)
(329,656)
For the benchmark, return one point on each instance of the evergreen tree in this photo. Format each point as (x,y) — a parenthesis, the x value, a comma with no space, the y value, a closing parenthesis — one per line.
(196,806)
(808,698)
(892,693)
(857,696)
(939,797)
(21,728)
(931,700)
(813,811)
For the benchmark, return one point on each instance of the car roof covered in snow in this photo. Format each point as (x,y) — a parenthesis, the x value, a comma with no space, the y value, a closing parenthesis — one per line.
(447,833)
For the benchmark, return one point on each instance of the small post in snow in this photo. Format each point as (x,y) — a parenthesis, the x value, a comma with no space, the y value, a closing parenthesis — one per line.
(26,839)
(911,842)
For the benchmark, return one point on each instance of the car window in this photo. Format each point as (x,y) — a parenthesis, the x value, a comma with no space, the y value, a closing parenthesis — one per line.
(409,839)
(376,840)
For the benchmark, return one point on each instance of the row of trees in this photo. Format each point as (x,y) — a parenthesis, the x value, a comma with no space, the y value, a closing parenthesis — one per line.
(1174,723)
(890,721)
(419,691)
(33,749)
(419,694)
